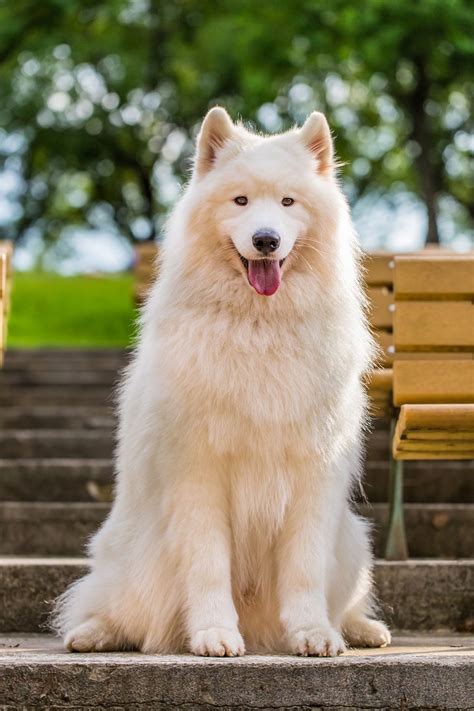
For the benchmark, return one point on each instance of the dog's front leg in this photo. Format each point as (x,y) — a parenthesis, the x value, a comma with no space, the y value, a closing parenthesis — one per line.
(211,616)
(304,555)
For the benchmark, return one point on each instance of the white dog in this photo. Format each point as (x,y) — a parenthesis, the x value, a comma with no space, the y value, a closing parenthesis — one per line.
(240,421)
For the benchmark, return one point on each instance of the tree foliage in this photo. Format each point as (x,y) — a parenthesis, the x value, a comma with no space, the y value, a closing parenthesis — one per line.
(100,100)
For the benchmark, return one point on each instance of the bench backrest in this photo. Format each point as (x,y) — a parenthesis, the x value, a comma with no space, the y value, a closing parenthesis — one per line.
(378,275)
(146,255)
(6,268)
(433,329)
(6,248)
(3,302)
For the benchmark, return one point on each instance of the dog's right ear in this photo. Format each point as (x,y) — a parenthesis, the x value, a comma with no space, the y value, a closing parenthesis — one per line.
(216,129)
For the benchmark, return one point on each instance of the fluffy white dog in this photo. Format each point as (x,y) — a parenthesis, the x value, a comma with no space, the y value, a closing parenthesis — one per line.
(240,421)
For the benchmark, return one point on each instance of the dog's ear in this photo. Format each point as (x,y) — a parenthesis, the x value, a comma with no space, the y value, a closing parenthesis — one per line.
(216,129)
(316,136)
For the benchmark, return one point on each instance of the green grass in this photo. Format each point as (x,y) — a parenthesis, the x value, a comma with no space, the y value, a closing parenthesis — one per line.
(50,310)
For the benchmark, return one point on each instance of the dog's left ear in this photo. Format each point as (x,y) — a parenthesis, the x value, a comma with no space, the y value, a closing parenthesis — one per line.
(216,129)
(316,136)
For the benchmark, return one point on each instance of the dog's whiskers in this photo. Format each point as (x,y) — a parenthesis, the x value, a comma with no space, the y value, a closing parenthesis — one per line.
(312,247)
(225,249)
(305,242)
(307,263)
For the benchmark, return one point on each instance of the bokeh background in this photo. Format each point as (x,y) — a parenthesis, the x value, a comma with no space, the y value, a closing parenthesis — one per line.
(100,102)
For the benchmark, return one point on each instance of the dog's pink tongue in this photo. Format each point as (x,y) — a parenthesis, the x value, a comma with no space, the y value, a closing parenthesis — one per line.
(264,275)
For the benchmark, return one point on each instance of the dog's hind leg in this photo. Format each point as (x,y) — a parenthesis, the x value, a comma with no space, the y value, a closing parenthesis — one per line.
(351,594)
(94,635)
(360,631)
(83,620)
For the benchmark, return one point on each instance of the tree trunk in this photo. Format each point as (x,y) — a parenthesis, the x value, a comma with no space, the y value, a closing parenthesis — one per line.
(158,36)
(424,162)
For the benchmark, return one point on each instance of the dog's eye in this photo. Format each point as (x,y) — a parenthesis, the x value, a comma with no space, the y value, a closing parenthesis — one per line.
(241,200)
(287,202)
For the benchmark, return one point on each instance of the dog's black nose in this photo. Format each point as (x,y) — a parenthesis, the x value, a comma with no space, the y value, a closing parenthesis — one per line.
(266,241)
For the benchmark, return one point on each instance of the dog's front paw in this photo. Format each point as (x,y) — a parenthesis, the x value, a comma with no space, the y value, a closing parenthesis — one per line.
(218,642)
(317,642)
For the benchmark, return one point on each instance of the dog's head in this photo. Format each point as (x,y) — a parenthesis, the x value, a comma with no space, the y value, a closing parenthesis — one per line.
(267,202)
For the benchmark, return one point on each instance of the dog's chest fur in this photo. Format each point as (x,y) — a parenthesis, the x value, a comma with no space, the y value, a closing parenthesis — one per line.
(249,380)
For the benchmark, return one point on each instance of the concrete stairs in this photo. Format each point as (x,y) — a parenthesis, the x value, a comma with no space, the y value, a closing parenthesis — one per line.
(56,442)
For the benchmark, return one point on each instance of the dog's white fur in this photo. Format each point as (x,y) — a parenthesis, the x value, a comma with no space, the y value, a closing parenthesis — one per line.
(240,424)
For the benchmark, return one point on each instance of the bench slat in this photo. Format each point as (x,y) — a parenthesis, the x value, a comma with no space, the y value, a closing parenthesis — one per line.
(433,381)
(441,435)
(3,276)
(435,355)
(423,417)
(378,269)
(384,340)
(428,445)
(431,325)
(432,454)
(435,432)
(381,379)
(434,277)
(145,268)
(3,302)
(380,307)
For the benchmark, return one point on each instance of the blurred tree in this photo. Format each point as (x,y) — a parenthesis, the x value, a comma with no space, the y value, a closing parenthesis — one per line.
(417,60)
(100,100)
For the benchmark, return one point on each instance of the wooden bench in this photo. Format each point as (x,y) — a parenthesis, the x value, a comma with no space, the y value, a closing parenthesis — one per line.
(378,276)
(6,252)
(379,268)
(145,268)
(3,294)
(433,371)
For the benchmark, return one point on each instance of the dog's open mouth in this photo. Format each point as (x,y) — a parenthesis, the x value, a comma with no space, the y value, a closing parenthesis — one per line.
(263,274)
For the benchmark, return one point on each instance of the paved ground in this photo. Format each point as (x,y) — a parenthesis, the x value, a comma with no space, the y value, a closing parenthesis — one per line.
(416,672)
(48,647)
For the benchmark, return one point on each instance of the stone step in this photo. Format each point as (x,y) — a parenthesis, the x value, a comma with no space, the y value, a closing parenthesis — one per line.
(62,529)
(416,672)
(65,417)
(48,529)
(56,443)
(72,365)
(54,479)
(75,479)
(70,417)
(11,395)
(414,595)
(30,356)
(433,530)
(68,378)
(92,442)
(22,364)
(99,443)
(424,481)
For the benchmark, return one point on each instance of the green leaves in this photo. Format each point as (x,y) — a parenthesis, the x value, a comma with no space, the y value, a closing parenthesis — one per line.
(110,80)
